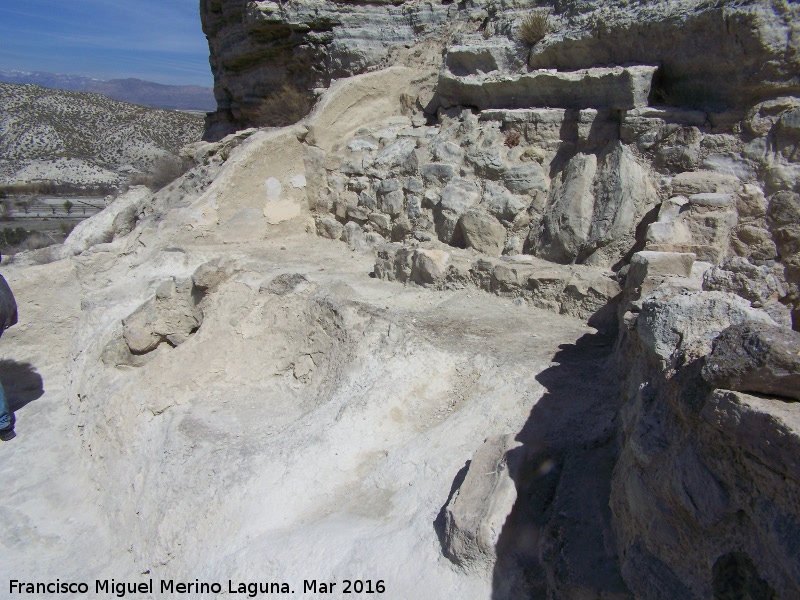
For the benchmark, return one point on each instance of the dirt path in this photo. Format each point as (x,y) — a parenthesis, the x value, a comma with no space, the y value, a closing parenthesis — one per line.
(48,505)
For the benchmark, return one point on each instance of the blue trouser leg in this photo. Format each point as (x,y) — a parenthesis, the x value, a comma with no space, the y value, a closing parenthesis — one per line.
(5,412)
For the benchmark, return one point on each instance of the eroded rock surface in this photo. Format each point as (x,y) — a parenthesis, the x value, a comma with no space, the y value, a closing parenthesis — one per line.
(757,359)
(475,515)
(681,491)
(641,430)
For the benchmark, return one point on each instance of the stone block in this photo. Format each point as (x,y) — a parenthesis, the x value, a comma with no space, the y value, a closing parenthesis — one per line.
(502,203)
(478,510)
(526,179)
(396,154)
(447,152)
(711,199)
(619,88)
(704,182)
(756,358)
(329,228)
(392,203)
(381,222)
(488,162)
(437,173)
(648,264)
(483,232)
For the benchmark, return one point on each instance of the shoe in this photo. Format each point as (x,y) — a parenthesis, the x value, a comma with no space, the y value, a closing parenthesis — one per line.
(7,432)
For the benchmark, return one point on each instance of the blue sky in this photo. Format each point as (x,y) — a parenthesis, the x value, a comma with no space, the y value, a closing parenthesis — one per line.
(156,40)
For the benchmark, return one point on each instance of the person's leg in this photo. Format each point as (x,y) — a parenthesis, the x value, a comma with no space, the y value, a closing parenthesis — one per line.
(5,413)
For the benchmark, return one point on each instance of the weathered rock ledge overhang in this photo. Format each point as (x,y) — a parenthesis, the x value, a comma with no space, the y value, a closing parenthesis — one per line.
(708,56)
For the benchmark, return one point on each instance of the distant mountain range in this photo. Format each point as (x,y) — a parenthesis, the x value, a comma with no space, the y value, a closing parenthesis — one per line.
(135,91)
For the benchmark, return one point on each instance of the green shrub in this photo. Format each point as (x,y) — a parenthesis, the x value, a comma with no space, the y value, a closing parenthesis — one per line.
(535,26)
(19,239)
(12,237)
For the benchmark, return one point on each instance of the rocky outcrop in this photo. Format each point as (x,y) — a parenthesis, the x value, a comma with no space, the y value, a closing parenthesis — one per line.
(477,511)
(637,168)
(594,206)
(703,479)
(756,358)
(704,475)
(171,316)
(618,88)
(658,459)
(731,56)
(256,46)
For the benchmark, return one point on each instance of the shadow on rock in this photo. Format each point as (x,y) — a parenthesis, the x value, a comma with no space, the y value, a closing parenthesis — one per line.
(557,541)
(440,523)
(21,383)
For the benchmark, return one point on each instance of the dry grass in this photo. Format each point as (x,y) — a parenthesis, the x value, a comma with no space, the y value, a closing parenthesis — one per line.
(19,239)
(165,170)
(406,104)
(284,107)
(535,26)
(512,139)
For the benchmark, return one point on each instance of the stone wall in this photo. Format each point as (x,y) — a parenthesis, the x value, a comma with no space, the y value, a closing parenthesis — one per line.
(572,186)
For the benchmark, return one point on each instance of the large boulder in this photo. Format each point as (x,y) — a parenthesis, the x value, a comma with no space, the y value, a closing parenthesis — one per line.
(623,194)
(595,203)
(457,196)
(568,219)
(478,509)
(666,324)
(528,178)
(483,232)
(429,266)
(756,357)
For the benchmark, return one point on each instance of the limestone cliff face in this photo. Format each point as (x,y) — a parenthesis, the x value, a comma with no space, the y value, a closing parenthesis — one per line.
(257,45)
(728,54)
(709,56)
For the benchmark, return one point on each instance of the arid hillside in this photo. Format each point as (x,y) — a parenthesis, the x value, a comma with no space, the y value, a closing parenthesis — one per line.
(85,139)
